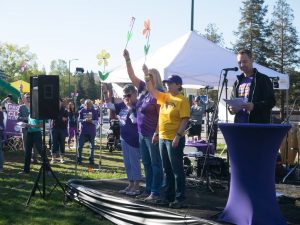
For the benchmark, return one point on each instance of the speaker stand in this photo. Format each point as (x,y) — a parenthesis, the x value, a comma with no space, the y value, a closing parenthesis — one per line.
(45,168)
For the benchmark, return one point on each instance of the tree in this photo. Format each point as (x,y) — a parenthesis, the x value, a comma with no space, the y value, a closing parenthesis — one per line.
(86,86)
(284,39)
(17,62)
(284,46)
(212,34)
(59,67)
(253,30)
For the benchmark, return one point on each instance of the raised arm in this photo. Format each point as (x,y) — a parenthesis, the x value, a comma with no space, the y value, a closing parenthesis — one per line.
(24,97)
(134,79)
(108,97)
(149,82)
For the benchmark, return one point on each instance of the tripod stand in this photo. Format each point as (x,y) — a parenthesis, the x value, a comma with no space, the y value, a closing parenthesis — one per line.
(45,168)
(295,168)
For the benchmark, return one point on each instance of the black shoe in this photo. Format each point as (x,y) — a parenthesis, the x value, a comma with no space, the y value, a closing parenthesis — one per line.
(176,204)
(91,162)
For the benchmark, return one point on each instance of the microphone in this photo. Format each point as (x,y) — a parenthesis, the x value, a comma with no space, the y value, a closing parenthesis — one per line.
(231,69)
(208,87)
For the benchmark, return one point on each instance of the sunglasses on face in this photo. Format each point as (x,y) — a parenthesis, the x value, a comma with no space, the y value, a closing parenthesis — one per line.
(127,96)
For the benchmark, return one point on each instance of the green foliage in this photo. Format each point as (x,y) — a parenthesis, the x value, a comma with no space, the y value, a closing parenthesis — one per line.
(253,30)
(87,87)
(15,189)
(12,57)
(212,34)
(294,90)
(59,67)
(64,86)
(284,38)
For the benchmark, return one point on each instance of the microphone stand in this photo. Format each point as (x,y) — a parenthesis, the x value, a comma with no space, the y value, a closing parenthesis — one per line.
(225,83)
(211,129)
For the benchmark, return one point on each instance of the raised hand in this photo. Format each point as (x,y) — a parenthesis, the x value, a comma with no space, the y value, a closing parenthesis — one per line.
(126,55)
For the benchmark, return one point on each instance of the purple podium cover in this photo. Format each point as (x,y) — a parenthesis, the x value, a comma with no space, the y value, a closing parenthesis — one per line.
(252,150)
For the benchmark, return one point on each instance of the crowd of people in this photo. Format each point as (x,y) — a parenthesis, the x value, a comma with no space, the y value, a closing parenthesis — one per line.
(64,126)
(154,116)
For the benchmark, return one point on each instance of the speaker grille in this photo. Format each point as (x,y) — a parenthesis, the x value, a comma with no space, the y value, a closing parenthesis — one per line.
(44,96)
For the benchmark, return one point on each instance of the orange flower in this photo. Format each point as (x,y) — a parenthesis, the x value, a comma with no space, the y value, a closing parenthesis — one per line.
(147,29)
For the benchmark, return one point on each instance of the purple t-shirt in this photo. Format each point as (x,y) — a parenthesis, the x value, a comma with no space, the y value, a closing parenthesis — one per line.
(147,112)
(242,116)
(128,130)
(88,127)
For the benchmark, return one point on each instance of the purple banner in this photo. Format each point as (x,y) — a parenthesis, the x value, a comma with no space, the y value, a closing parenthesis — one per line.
(11,127)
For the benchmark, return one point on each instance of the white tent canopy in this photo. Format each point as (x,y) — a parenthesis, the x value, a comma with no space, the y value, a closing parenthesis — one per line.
(197,60)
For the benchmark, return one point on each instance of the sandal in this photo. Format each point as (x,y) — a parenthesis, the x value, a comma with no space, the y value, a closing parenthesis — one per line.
(124,191)
(133,193)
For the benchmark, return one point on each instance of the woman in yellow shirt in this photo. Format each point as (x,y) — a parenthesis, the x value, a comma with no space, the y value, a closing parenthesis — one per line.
(173,118)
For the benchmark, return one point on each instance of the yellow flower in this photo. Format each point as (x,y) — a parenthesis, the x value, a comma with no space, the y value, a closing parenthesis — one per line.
(98,102)
(102,57)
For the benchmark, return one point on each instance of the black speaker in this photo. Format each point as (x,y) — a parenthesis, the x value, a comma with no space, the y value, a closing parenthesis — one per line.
(44,97)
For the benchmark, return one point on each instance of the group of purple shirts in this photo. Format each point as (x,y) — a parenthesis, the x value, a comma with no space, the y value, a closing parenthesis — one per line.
(146,110)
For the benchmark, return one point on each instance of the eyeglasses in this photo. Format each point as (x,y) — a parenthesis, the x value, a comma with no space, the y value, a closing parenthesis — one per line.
(127,96)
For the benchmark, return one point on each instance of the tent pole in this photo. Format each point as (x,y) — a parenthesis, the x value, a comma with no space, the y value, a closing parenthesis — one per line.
(192,16)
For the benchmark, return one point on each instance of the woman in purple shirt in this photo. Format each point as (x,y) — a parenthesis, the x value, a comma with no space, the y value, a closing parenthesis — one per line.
(127,113)
(147,122)
(88,118)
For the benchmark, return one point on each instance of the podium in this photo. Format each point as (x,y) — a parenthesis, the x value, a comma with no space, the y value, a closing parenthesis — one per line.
(253,150)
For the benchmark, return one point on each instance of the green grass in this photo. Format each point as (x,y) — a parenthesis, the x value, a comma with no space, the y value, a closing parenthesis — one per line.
(15,189)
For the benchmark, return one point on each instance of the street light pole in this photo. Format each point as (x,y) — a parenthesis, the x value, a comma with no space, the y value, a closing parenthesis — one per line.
(70,75)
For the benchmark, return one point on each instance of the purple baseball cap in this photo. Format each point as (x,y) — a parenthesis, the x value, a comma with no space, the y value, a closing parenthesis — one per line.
(173,79)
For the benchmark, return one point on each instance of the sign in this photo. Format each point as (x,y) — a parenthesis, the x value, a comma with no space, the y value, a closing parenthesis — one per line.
(11,127)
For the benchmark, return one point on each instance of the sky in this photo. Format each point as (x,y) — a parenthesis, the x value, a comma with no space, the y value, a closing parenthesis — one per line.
(80,29)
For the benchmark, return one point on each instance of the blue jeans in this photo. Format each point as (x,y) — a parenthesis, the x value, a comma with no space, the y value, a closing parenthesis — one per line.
(172,160)
(1,150)
(152,164)
(131,159)
(58,140)
(82,139)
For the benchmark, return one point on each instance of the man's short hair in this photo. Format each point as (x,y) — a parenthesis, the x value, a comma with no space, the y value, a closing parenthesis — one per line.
(245,51)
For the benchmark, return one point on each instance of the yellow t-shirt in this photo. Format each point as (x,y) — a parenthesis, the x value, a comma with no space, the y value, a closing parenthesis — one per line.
(172,110)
